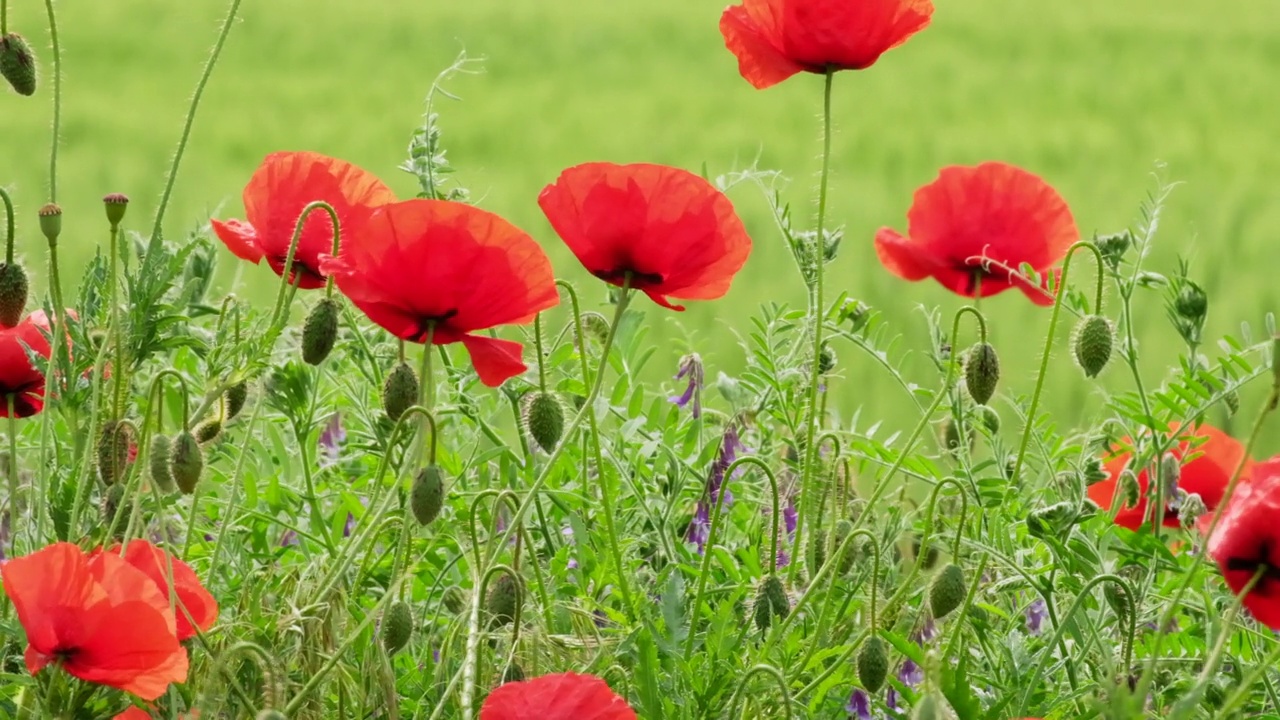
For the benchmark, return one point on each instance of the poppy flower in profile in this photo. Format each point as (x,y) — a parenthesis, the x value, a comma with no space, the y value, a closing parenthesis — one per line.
(566,696)
(445,270)
(671,232)
(775,39)
(18,376)
(103,620)
(973,227)
(189,592)
(1207,476)
(284,184)
(1247,541)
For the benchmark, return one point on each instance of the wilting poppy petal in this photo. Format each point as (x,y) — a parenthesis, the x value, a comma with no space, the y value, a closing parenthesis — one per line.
(566,696)
(1207,475)
(775,39)
(190,593)
(665,231)
(445,269)
(974,227)
(283,185)
(1247,540)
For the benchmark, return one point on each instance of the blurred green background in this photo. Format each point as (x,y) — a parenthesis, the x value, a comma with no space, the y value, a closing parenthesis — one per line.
(1094,95)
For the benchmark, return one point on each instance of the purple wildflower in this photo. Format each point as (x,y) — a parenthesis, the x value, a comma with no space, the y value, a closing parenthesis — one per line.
(331,440)
(349,525)
(716,489)
(927,632)
(789,521)
(909,674)
(859,705)
(289,539)
(691,368)
(1036,612)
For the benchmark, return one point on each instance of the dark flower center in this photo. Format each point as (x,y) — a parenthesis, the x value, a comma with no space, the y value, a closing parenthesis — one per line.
(66,655)
(1261,560)
(638,279)
(427,322)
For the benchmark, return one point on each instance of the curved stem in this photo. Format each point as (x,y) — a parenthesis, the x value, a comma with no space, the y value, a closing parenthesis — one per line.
(57,101)
(190,120)
(8,216)
(766,670)
(288,276)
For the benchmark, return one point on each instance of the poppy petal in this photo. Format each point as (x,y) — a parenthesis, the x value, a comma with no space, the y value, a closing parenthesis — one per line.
(48,588)
(240,238)
(496,361)
(566,696)
(900,256)
(189,593)
(746,34)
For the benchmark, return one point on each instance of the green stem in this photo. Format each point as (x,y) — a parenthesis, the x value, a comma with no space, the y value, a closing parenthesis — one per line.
(765,670)
(288,277)
(542,357)
(57,101)
(8,215)
(190,120)
(13,473)
(119,372)
(1188,702)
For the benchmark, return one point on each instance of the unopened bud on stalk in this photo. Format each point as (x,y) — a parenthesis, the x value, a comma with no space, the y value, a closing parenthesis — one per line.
(13,293)
(18,64)
(982,372)
(50,222)
(161,448)
(115,204)
(397,627)
(595,326)
(114,445)
(427,496)
(947,591)
(505,595)
(543,418)
(872,664)
(1093,341)
(454,599)
(186,462)
(235,398)
(320,331)
(1118,598)
(399,391)
(208,431)
(990,418)
(1170,472)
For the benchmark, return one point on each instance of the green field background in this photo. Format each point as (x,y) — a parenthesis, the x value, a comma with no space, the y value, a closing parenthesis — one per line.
(1094,95)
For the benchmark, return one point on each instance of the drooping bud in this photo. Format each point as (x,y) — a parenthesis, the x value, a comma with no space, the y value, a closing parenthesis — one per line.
(947,591)
(208,431)
(427,497)
(930,553)
(1093,341)
(990,418)
(544,419)
(50,222)
(397,627)
(454,599)
(115,204)
(982,372)
(115,511)
(761,610)
(320,331)
(1190,510)
(505,595)
(236,397)
(186,462)
(873,664)
(114,445)
(13,293)
(161,448)
(777,596)
(399,391)
(18,64)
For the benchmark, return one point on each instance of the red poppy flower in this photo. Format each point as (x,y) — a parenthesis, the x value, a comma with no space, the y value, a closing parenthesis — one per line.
(556,697)
(100,618)
(1247,539)
(191,595)
(1207,475)
(445,269)
(18,376)
(137,713)
(284,184)
(973,227)
(775,39)
(670,230)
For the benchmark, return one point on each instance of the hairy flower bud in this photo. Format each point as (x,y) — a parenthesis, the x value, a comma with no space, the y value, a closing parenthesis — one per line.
(1093,342)
(320,331)
(427,496)
(186,462)
(208,431)
(18,64)
(235,398)
(454,599)
(397,627)
(399,391)
(505,596)
(543,418)
(982,372)
(161,447)
(13,293)
(114,445)
(947,591)
(872,664)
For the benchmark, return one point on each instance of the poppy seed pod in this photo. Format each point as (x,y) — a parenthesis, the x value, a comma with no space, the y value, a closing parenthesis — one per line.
(399,391)
(115,205)
(208,431)
(454,599)
(1093,341)
(872,664)
(427,496)
(114,444)
(13,293)
(397,627)
(320,331)
(505,596)
(544,419)
(982,372)
(161,447)
(235,398)
(50,222)
(186,462)
(18,64)
(947,591)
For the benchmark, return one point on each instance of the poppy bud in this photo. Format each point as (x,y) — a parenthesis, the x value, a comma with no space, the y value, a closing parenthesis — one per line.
(50,222)
(947,591)
(1127,488)
(761,610)
(397,627)
(13,293)
(982,372)
(826,359)
(115,204)
(544,419)
(990,418)
(161,447)
(513,673)
(399,391)
(320,331)
(843,529)
(208,431)
(235,398)
(186,462)
(873,664)
(505,596)
(777,596)
(114,444)
(1094,337)
(454,599)
(115,511)
(270,714)
(427,496)
(1190,510)
(18,64)
(1118,598)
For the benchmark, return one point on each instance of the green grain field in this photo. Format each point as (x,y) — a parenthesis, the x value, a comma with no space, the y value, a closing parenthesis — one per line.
(1097,96)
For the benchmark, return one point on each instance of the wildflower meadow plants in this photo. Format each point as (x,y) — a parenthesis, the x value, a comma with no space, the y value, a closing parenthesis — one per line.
(453,491)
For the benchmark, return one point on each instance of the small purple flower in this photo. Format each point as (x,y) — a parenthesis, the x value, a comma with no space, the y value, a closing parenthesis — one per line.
(717,489)
(691,369)
(349,525)
(289,539)
(927,632)
(331,440)
(789,521)
(859,705)
(909,674)
(1036,612)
